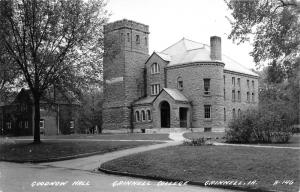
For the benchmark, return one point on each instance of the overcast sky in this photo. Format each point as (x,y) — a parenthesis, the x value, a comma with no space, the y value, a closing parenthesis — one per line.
(171,20)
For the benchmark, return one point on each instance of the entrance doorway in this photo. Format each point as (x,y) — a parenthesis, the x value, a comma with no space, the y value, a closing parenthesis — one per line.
(165,114)
(183,117)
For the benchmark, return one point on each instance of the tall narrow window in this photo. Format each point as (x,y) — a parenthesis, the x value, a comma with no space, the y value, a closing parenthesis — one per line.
(206,86)
(239,96)
(239,113)
(224,114)
(137,39)
(233,81)
(248,96)
(137,116)
(207,111)
(146,41)
(155,68)
(233,95)
(248,83)
(233,114)
(252,85)
(8,125)
(224,94)
(179,83)
(155,88)
(224,80)
(128,37)
(149,115)
(143,115)
(239,82)
(26,124)
(253,99)
(72,124)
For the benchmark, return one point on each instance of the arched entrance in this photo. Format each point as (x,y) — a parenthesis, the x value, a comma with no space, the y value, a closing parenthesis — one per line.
(165,114)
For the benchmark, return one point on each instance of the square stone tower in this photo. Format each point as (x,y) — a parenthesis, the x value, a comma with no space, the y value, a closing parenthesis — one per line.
(125,53)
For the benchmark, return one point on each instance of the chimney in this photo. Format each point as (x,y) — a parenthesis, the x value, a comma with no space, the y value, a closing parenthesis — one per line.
(215,48)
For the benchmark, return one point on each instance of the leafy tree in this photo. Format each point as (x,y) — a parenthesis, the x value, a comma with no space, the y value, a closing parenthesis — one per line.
(274,27)
(52,42)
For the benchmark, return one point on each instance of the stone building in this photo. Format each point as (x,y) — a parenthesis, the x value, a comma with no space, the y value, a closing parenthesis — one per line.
(187,85)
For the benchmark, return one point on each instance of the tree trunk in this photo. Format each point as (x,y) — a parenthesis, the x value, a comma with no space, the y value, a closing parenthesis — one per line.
(36,134)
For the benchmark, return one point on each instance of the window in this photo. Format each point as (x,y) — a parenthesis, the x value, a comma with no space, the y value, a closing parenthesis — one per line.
(146,41)
(239,82)
(143,115)
(224,94)
(128,37)
(155,68)
(155,88)
(26,124)
(248,83)
(233,81)
(207,129)
(206,86)
(72,124)
(207,110)
(42,126)
(179,83)
(224,114)
(137,39)
(224,79)
(233,95)
(8,125)
(149,115)
(137,116)
(233,114)
(252,85)
(239,96)
(248,97)
(239,113)
(253,99)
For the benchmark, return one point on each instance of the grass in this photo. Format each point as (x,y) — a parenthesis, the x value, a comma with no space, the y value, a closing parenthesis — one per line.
(121,136)
(216,163)
(26,151)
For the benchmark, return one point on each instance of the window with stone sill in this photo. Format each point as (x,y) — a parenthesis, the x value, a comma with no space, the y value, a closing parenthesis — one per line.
(155,68)
(137,39)
(155,88)
(137,116)
(179,83)
(149,115)
(207,112)
(206,86)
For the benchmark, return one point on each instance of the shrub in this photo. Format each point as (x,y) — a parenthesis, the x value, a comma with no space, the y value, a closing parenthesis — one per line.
(260,126)
(197,142)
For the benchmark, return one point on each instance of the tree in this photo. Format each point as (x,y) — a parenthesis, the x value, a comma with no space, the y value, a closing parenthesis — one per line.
(274,26)
(53,42)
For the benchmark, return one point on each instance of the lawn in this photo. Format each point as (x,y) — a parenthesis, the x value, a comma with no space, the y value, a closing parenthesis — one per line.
(25,151)
(206,163)
(121,136)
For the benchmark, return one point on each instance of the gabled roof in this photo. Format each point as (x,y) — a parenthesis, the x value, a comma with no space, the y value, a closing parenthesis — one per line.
(187,51)
(176,94)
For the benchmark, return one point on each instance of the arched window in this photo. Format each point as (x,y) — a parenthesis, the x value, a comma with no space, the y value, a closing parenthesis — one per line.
(154,68)
(143,115)
(239,113)
(179,83)
(233,114)
(137,116)
(149,115)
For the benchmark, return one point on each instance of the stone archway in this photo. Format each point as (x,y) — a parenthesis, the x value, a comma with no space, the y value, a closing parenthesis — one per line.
(165,114)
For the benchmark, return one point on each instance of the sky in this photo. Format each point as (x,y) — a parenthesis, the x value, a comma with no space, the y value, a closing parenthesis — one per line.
(171,20)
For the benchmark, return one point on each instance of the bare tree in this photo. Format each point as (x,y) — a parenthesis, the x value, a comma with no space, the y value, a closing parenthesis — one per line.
(53,42)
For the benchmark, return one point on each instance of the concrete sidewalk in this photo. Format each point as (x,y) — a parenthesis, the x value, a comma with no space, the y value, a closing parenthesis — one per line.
(93,162)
